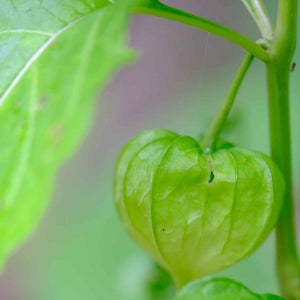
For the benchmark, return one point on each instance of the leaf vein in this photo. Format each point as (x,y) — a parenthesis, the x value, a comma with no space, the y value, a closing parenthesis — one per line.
(32,60)
(26,31)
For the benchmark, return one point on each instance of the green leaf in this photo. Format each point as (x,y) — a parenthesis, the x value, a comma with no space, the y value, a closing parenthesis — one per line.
(28,27)
(220,289)
(195,213)
(48,86)
(159,285)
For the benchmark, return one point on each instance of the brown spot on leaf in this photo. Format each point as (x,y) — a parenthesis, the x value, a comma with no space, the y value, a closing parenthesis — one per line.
(21,123)
(17,107)
(53,45)
(57,133)
(42,102)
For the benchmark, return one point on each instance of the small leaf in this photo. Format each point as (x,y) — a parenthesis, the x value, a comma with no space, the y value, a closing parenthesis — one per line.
(160,285)
(220,289)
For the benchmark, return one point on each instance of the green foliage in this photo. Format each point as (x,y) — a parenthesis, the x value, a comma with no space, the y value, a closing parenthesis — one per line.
(220,289)
(195,213)
(48,96)
(160,285)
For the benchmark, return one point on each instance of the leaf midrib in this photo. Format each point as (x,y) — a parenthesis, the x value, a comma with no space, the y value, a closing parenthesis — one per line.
(36,55)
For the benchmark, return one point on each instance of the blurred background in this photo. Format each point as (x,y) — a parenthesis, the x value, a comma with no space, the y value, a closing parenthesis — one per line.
(80,250)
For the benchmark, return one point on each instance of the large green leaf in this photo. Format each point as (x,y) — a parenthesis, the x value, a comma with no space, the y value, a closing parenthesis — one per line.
(220,289)
(48,83)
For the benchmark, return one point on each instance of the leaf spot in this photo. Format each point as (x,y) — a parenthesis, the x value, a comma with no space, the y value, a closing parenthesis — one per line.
(42,103)
(57,133)
(21,123)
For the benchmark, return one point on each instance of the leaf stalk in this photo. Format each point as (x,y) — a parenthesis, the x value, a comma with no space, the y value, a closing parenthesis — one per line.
(158,9)
(218,123)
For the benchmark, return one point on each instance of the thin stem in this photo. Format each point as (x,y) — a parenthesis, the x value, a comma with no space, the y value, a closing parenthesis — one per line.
(282,51)
(260,15)
(218,123)
(158,9)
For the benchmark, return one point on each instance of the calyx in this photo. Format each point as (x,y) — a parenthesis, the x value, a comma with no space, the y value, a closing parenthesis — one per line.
(195,213)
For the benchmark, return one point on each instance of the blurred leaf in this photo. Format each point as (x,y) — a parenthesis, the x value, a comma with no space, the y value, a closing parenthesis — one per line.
(160,284)
(48,109)
(143,279)
(28,27)
(220,289)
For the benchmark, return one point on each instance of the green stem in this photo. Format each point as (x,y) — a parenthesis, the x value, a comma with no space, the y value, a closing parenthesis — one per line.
(219,121)
(282,51)
(260,15)
(287,258)
(158,9)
